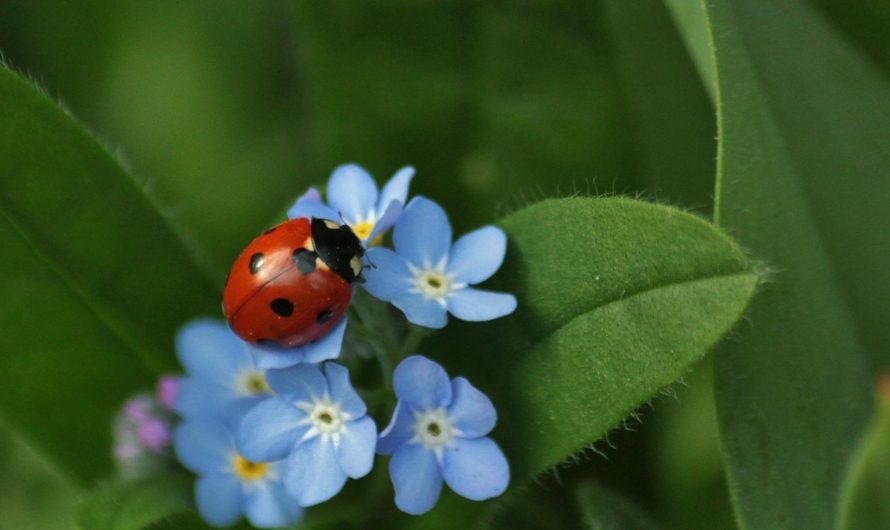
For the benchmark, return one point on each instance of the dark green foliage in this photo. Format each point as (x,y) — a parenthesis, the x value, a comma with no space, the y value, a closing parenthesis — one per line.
(85,254)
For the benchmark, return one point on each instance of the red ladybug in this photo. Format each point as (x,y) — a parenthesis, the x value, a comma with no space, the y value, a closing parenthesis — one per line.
(292,284)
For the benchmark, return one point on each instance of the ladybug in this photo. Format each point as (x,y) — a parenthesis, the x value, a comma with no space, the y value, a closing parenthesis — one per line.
(293,283)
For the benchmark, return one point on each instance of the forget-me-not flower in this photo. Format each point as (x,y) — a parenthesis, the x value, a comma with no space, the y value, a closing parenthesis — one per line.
(228,484)
(352,194)
(426,277)
(318,423)
(324,348)
(438,431)
(221,381)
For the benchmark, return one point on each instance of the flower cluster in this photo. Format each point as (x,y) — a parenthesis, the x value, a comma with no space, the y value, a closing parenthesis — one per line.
(142,430)
(272,431)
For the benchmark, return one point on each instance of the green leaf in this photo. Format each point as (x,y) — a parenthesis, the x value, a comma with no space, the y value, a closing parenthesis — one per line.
(617,298)
(94,282)
(602,509)
(689,17)
(865,498)
(673,120)
(797,111)
(133,505)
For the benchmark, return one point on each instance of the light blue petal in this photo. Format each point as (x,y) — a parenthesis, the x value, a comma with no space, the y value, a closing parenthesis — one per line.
(477,255)
(207,348)
(312,194)
(342,391)
(352,193)
(416,478)
(422,234)
(313,474)
(303,382)
(421,310)
(476,469)
(386,220)
(471,411)
(396,189)
(388,276)
(202,397)
(219,499)
(312,208)
(268,359)
(476,305)
(327,347)
(204,446)
(270,430)
(356,450)
(267,505)
(421,384)
(398,432)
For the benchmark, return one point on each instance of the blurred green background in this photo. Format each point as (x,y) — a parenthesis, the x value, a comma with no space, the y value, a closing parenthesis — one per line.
(227,110)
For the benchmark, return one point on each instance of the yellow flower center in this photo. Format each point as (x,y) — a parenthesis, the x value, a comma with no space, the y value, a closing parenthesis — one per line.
(363,230)
(248,470)
(254,383)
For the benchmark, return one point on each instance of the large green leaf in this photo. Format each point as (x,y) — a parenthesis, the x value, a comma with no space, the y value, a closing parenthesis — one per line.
(617,298)
(865,497)
(94,282)
(801,181)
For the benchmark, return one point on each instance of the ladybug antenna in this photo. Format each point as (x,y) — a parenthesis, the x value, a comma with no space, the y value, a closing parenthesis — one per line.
(370,264)
(342,219)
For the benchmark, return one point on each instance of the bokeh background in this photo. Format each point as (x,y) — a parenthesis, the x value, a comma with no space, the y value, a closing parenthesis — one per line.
(227,110)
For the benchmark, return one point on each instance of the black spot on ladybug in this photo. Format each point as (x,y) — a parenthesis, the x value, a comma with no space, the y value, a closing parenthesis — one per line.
(324,316)
(256,261)
(269,231)
(304,259)
(269,344)
(282,307)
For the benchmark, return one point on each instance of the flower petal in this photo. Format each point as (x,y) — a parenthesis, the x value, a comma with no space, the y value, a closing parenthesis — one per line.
(477,255)
(312,194)
(387,218)
(423,234)
(356,450)
(352,193)
(204,446)
(416,478)
(207,348)
(399,431)
(312,208)
(476,305)
(421,310)
(471,411)
(219,499)
(267,505)
(313,474)
(396,189)
(270,430)
(476,469)
(303,382)
(421,384)
(388,275)
(327,347)
(342,391)
(203,397)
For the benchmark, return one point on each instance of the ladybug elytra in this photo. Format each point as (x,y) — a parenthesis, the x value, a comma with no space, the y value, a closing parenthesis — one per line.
(293,283)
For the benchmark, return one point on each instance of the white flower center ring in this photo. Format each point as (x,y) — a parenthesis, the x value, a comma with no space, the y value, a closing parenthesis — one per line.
(433,428)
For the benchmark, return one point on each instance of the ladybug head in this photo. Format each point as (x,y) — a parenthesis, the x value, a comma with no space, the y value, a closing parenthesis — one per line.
(339,248)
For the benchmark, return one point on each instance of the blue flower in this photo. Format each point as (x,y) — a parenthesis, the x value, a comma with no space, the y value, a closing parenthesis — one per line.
(221,382)
(228,484)
(426,277)
(352,194)
(324,348)
(438,430)
(318,423)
